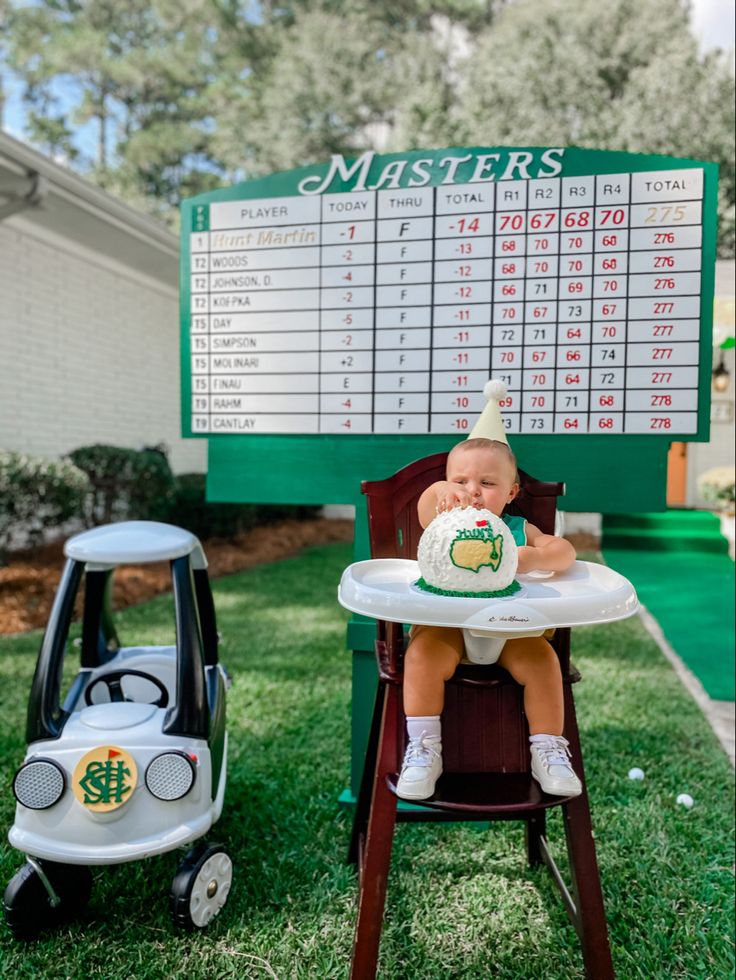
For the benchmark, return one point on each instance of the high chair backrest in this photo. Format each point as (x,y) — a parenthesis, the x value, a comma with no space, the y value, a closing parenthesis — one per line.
(395,530)
(392,505)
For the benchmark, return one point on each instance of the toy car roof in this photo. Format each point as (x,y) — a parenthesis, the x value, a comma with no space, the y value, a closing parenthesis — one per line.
(133,542)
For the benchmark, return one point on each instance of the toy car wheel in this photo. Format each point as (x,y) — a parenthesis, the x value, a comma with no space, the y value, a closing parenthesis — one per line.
(28,907)
(201,886)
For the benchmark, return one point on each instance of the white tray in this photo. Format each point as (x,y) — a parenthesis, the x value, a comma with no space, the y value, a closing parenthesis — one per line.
(586,593)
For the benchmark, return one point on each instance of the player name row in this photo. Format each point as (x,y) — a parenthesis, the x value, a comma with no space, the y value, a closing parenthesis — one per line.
(661,185)
(532,379)
(675,423)
(451,285)
(569,221)
(421,338)
(467,315)
(419,314)
(447,359)
(393,263)
(446,402)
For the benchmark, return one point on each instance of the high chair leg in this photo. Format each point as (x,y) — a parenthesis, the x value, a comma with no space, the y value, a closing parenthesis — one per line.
(363,803)
(535,830)
(377,854)
(590,919)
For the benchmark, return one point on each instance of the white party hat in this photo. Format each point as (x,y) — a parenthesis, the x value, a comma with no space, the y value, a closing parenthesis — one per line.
(490,423)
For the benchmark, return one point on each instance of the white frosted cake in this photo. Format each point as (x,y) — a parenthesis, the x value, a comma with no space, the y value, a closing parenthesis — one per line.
(467,552)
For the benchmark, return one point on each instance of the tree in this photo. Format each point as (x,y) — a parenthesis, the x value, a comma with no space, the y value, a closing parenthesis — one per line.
(622,75)
(187,94)
(139,71)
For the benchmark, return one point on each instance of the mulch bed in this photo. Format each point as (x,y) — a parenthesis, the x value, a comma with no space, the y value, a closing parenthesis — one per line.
(28,583)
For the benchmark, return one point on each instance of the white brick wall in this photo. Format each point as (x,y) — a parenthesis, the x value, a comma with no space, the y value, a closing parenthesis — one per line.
(89,351)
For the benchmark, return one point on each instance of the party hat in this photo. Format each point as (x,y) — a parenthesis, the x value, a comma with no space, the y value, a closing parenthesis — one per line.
(490,423)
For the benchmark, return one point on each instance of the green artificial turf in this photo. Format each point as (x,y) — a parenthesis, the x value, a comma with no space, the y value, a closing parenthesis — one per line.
(679,565)
(461,901)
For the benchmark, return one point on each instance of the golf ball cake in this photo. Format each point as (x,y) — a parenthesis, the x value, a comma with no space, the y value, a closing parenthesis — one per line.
(466,552)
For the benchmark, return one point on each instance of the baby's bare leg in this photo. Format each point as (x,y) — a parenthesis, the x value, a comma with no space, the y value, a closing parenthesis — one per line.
(431,659)
(533,663)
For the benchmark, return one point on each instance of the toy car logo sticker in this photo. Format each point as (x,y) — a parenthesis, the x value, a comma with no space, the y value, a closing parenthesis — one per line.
(104,779)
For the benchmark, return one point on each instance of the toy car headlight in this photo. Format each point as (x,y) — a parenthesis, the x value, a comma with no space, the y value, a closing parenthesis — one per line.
(170,775)
(39,784)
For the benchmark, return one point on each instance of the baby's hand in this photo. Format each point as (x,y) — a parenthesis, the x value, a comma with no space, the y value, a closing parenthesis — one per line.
(451,495)
(527,558)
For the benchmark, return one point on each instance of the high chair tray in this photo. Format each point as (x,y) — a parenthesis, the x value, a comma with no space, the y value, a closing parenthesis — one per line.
(587,593)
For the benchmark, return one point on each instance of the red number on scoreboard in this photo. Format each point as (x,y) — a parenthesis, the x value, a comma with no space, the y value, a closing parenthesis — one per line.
(613,217)
(542,220)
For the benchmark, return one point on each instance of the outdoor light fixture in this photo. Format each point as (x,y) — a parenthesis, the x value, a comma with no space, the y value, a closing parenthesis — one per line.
(721,376)
(170,775)
(39,784)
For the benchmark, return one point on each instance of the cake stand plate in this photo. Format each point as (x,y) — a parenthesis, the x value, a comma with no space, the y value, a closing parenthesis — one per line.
(586,593)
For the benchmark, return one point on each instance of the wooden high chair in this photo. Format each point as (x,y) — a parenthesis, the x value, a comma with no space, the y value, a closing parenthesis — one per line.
(487,768)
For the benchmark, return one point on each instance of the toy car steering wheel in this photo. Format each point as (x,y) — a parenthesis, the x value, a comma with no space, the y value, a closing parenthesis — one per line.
(112,680)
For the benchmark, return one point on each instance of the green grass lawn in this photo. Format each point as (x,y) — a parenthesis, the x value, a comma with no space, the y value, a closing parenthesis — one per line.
(461,902)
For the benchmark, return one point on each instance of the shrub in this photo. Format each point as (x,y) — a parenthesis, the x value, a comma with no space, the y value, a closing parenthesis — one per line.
(717,486)
(37,493)
(190,509)
(127,484)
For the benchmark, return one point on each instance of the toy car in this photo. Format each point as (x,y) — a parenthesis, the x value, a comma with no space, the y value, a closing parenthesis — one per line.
(133,763)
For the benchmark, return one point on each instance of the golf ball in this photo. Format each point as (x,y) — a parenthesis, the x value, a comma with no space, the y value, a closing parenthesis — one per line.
(684,799)
(636,773)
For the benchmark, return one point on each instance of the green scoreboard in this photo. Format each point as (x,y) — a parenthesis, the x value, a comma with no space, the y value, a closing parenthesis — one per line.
(340,320)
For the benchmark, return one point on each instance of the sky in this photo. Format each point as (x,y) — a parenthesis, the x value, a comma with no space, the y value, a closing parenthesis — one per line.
(712,22)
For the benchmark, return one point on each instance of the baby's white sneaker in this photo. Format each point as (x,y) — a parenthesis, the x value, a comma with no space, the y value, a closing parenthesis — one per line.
(421,769)
(551,766)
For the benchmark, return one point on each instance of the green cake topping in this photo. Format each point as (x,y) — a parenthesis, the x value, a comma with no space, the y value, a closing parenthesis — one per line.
(499,594)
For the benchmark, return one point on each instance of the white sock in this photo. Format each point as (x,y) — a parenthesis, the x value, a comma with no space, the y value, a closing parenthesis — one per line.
(541,738)
(429,724)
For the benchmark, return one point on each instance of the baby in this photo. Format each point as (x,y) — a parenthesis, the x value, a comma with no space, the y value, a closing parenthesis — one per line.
(482,473)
